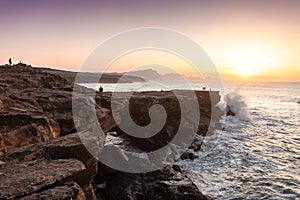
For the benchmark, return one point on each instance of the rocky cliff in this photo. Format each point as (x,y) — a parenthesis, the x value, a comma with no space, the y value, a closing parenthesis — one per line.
(179,107)
(42,155)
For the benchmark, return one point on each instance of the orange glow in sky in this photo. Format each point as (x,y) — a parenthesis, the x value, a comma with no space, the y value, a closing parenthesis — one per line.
(247,40)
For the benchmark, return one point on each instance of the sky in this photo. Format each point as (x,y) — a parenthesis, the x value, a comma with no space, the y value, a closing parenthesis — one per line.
(246,40)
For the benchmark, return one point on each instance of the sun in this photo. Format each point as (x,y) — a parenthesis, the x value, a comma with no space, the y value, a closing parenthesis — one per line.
(246,73)
(250,59)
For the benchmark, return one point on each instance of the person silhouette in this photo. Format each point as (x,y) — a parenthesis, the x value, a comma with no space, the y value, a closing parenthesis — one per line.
(101,89)
(9,60)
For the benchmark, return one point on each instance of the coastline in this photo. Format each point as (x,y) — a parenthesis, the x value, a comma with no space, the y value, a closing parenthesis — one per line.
(38,131)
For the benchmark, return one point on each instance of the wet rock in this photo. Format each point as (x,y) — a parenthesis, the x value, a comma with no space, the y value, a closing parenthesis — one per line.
(176,168)
(230,112)
(162,184)
(188,155)
(196,145)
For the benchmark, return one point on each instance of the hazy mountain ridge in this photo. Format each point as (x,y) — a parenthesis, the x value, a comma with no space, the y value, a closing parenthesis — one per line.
(153,75)
(115,77)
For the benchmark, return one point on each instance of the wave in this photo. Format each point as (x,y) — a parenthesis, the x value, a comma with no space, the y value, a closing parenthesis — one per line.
(235,102)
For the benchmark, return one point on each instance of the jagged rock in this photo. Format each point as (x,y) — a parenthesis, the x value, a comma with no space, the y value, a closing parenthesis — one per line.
(230,112)
(162,184)
(196,145)
(176,168)
(68,191)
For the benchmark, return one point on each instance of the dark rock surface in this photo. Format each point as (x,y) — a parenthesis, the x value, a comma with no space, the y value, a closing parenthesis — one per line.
(140,103)
(162,184)
(68,191)
(230,112)
(188,155)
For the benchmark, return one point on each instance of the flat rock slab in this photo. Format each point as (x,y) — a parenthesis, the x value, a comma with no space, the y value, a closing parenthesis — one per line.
(66,147)
(22,179)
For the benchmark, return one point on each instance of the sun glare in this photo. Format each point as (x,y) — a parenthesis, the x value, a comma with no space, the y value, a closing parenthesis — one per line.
(245,73)
(250,59)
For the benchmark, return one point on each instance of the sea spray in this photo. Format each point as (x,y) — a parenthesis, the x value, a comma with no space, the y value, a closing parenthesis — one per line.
(235,102)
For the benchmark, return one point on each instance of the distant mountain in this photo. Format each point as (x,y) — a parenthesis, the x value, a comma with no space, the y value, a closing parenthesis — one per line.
(152,75)
(87,77)
(114,77)
(173,77)
(148,74)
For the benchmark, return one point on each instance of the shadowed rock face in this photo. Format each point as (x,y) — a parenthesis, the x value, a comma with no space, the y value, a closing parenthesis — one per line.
(140,103)
(161,184)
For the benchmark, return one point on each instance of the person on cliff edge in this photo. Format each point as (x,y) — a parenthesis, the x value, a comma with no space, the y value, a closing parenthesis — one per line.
(9,60)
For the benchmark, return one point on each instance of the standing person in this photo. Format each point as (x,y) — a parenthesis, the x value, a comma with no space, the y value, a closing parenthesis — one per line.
(9,60)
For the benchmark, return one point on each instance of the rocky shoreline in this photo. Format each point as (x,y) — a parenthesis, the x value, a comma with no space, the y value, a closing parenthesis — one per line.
(42,155)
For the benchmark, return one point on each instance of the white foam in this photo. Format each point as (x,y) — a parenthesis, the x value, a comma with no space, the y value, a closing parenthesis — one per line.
(234,101)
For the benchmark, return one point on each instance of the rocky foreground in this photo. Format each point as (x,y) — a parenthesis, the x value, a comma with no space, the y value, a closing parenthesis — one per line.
(42,155)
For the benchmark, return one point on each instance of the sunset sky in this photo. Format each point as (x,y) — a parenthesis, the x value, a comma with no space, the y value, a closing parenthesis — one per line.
(255,40)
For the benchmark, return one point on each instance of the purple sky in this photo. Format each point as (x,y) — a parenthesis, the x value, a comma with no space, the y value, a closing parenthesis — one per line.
(62,33)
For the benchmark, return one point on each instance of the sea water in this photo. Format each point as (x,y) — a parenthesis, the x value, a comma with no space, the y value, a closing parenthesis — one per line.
(257,153)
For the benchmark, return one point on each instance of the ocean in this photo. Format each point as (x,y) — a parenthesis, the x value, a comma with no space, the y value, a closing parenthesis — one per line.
(257,153)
